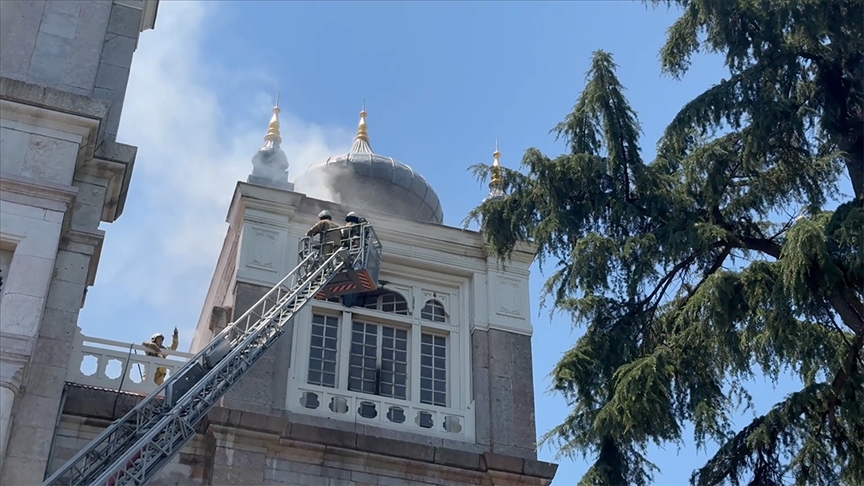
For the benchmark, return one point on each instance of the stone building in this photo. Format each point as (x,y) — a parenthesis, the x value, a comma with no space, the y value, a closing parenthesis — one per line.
(426,381)
(64,66)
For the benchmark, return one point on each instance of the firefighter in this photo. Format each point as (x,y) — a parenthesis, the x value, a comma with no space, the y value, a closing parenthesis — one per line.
(351,231)
(324,225)
(155,348)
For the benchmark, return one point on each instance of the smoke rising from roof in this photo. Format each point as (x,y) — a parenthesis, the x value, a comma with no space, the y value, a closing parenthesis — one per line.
(194,143)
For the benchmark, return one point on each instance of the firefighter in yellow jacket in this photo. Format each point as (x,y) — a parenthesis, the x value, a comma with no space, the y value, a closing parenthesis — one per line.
(155,347)
(325,226)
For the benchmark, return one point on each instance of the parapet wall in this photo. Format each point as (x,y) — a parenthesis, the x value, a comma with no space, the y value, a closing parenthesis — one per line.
(244,448)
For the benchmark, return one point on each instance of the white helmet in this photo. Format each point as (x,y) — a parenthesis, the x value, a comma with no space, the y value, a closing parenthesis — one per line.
(157,336)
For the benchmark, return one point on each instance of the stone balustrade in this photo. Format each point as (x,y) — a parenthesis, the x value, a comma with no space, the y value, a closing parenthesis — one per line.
(116,365)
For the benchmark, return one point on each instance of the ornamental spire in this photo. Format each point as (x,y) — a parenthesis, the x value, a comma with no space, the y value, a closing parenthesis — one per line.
(496,181)
(273,129)
(361,140)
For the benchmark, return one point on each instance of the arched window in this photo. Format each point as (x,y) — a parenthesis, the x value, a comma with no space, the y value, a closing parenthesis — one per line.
(390,302)
(433,311)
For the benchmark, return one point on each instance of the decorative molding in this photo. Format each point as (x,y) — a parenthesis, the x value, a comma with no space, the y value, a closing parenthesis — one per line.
(115,174)
(87,128)
(485,326)
(148,15)
(11,373)
(94,240)
(15,346)
(37,193)
(263,252)
(148,10)
(509,297)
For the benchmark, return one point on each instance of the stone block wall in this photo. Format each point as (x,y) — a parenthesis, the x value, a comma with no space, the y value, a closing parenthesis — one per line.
(504,392)
(264,387)
(78,46)
(236,447)
(188,468)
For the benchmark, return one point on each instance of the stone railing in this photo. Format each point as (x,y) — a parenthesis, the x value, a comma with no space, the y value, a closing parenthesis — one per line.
(381,411)
(117,365)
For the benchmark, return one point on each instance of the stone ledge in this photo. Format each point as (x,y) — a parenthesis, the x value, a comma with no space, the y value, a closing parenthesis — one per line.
(115,161)
(444,456)
(97,404)
(55,99)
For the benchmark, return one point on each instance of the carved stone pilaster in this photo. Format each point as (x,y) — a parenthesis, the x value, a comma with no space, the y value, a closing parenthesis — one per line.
(11,374)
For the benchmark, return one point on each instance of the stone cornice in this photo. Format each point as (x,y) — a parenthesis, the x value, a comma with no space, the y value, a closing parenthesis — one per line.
(269,199)
(93,240)
(31,103)
(36,192)
(113,162)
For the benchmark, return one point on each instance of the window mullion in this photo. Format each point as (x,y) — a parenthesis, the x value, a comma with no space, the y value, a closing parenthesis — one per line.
(379,341)
(414,361)
(344,346)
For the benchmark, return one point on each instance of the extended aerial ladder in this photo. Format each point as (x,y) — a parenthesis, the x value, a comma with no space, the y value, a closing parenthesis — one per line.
(137,446)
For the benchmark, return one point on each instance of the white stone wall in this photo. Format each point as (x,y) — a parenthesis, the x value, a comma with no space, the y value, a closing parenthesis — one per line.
(36,234)
(78,46)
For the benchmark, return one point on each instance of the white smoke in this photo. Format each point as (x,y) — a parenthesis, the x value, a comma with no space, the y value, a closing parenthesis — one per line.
(159,257)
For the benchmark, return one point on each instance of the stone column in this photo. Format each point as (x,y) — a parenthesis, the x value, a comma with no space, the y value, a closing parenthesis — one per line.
(10,380)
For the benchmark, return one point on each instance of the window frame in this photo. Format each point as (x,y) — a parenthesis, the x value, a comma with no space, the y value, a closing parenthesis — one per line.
(413,323)
(456,304)
(379,340)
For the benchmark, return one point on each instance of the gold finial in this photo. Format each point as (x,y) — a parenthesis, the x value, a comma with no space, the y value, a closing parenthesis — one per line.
(361,127)
(496,180)
(273,130)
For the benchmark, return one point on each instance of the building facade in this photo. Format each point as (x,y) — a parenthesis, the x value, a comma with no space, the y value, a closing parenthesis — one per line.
(427,380)
(64,67)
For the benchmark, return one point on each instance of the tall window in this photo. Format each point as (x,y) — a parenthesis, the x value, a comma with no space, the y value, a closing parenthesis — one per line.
(433,369)
(379,354)
(379,360)
(323,351)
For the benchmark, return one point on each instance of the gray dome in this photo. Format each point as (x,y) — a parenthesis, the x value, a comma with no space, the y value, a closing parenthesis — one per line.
(364,179)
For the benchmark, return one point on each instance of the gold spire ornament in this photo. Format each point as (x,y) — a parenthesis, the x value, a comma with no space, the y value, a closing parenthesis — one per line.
(361,127)
(496,181)
(273,130)
(361,140)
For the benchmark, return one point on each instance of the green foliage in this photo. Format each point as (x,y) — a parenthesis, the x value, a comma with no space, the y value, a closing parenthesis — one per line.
(685,278)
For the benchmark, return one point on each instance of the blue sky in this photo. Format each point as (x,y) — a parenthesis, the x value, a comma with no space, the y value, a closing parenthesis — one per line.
(441,82)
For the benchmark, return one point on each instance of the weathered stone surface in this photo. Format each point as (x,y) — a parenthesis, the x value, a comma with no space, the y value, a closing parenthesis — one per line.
(500,357)
(540,469)
(449,457)
(524,429)
(87,45)
(46,380)
(19,27)
(72,267)
(306,454)
(47,97)
(396,448)
(480,349)
(124,21)
(263,389)
(500,462)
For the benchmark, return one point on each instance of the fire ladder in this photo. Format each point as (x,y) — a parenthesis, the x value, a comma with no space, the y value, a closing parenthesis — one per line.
(134,448)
